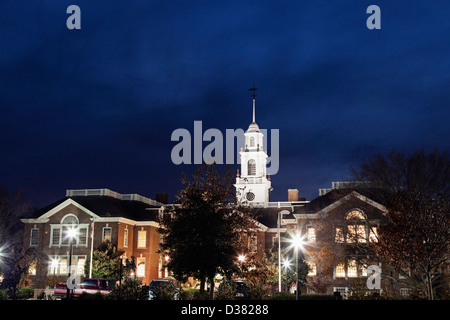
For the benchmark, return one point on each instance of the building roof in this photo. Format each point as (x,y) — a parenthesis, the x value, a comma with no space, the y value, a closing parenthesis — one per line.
(268,215)
(106,206)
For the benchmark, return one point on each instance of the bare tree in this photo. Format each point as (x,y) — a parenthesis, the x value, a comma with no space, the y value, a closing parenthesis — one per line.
(15,260)
(414,188)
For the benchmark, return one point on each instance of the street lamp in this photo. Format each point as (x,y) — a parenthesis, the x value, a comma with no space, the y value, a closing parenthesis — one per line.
(54,265)
(71,234)
(286,265)
(279,218)
(297,242)
(241,259)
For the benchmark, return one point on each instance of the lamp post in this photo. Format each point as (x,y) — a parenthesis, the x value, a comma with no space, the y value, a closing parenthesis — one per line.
(297,243)
(279,217)
(241,259)
(54,265)
(286,265)
(71,234)
(92,247)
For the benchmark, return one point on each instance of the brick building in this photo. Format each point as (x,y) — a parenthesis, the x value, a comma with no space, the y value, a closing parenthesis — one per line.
(127,220)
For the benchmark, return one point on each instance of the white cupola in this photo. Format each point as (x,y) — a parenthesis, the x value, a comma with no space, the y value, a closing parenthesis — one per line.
(252,186)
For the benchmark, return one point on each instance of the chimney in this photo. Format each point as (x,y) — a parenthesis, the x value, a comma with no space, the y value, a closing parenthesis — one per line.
(162,197)
(292,195)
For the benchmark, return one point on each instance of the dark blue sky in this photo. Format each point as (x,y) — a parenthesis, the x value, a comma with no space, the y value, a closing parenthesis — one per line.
(95,108)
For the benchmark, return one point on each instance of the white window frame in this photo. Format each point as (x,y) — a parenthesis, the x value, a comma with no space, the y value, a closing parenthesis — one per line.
(139,240)
(140,267)
(36,236)
(60,237)
(125,238)
(251,167)
(310,235)
(103,233)
(340,273)
(352,269)
(342,290)
(61,265)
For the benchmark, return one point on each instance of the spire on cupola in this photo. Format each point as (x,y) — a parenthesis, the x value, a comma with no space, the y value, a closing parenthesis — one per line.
(253,126)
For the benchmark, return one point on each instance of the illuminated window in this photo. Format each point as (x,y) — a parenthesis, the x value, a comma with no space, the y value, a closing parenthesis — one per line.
(107,234)
(312,268)
(65,235)
(125,238)
(59,234)
(142,239)
(339,238)
(82,236)
(251,167)
(404,292)
(356,233)
(140,267)
(311,235)
(355,215)
(340,270)
(253,242)
(363,270)
(80,265)
(63,266)
(373,235)
(32,269)
(352,269)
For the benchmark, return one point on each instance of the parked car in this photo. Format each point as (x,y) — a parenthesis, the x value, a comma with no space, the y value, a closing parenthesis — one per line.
(163,289)
(88,286)
(242,287)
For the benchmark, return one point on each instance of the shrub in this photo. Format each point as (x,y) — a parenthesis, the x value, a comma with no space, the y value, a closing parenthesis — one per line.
(282,296)
(3,295)
(227,291)
(25,293)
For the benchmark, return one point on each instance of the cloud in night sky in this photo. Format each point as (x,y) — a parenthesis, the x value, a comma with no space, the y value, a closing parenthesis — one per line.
(95,108)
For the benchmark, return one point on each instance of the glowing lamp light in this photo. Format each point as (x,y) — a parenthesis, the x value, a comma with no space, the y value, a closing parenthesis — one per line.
(286,264)
(72,233)
(297,242)
(54,263)
(241,258)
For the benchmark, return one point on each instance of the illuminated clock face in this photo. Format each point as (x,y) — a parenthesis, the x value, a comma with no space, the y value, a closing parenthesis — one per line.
(250,196)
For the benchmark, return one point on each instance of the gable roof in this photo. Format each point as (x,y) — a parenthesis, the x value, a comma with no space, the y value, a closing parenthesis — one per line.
(337,196)
(102,207)
(321,204)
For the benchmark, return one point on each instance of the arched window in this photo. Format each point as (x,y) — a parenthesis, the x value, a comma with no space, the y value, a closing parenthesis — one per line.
(252,141)
(251,167)
(355,215)
(69,219)
(356,228)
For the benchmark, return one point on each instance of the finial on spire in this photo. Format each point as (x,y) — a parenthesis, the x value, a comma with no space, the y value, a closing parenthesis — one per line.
(254,96)
(254,91)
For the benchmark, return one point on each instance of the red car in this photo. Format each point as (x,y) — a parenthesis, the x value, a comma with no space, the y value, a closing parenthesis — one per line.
(88,286)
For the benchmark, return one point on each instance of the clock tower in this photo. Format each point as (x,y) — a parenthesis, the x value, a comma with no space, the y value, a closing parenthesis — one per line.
(252,185)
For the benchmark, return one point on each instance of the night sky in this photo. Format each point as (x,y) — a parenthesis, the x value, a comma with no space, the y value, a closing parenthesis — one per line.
(96,107)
